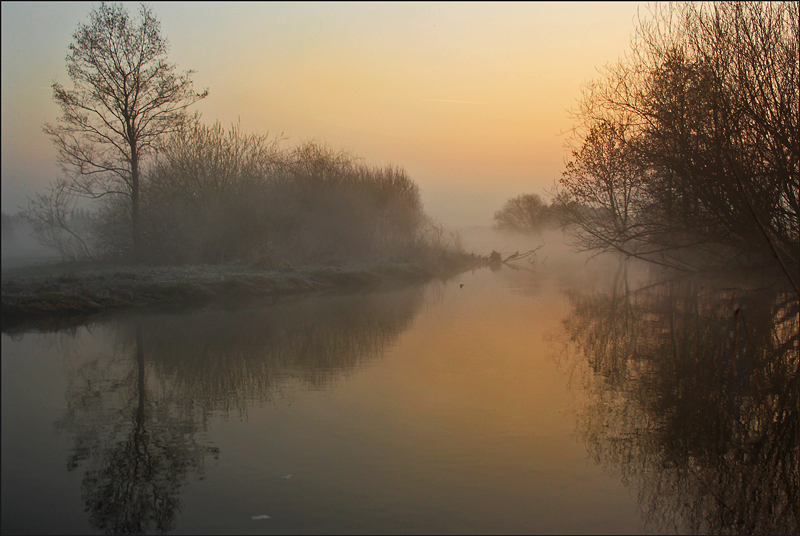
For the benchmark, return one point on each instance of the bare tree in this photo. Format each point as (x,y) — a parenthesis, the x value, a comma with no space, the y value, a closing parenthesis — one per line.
(708,98)
(604,184)
(52,217)
(125,97)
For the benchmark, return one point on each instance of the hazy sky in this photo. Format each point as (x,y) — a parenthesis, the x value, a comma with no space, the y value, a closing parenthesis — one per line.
(471,99)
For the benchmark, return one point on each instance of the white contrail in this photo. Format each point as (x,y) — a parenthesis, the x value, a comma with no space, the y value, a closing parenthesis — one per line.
(458,101)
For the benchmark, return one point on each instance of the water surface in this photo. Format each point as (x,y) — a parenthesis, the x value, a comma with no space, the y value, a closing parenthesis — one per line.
(498,402)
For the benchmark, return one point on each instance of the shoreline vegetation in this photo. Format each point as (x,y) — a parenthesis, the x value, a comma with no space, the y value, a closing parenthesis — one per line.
(62,294)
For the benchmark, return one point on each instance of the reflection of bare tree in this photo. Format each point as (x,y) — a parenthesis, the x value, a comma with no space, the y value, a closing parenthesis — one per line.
(135,413)
(694,397)
(138,443)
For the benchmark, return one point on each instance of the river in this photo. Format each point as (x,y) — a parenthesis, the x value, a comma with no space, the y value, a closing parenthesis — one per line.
(554,398)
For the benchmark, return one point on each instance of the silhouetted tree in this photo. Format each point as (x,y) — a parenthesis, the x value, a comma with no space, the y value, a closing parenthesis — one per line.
(604,185)
(704,112)
(126,96)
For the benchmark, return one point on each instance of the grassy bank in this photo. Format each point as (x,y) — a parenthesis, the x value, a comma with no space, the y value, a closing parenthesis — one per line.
(70,293)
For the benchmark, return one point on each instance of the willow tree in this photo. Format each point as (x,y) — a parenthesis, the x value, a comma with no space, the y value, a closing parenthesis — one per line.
(125,97)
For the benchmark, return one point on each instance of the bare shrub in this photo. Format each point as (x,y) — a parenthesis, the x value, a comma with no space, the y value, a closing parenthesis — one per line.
(216,195)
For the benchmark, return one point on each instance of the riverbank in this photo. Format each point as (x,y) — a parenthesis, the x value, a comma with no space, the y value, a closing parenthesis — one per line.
(72,292)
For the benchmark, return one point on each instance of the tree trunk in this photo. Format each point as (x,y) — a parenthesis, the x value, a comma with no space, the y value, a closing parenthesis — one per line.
(135,216)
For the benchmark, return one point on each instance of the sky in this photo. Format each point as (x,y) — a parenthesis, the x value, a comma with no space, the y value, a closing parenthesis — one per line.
(473,100)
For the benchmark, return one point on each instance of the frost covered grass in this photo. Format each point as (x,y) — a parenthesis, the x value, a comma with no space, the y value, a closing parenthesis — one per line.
(51,293)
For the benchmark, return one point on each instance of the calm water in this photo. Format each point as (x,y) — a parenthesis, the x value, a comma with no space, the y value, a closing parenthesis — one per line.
(533,402)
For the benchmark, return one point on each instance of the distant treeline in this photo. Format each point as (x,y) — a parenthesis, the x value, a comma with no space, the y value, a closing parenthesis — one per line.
(528,213)
(213,195)
(687,152)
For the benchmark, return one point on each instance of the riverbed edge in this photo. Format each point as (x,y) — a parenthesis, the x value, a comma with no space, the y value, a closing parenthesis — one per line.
(36,297)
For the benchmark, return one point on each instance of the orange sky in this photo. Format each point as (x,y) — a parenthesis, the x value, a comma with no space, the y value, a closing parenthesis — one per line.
(471,99)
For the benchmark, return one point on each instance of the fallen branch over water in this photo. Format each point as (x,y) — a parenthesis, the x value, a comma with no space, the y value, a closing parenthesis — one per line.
(496,258)
(517,256)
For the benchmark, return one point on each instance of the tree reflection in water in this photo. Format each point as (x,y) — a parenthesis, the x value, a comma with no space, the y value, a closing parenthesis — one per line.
(136,414)
(693,396)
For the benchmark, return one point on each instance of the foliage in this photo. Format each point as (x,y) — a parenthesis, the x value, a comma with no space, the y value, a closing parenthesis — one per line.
(691,143)
(201,181)
(126,97)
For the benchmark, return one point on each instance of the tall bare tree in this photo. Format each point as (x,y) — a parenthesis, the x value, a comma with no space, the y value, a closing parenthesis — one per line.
(125,97)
